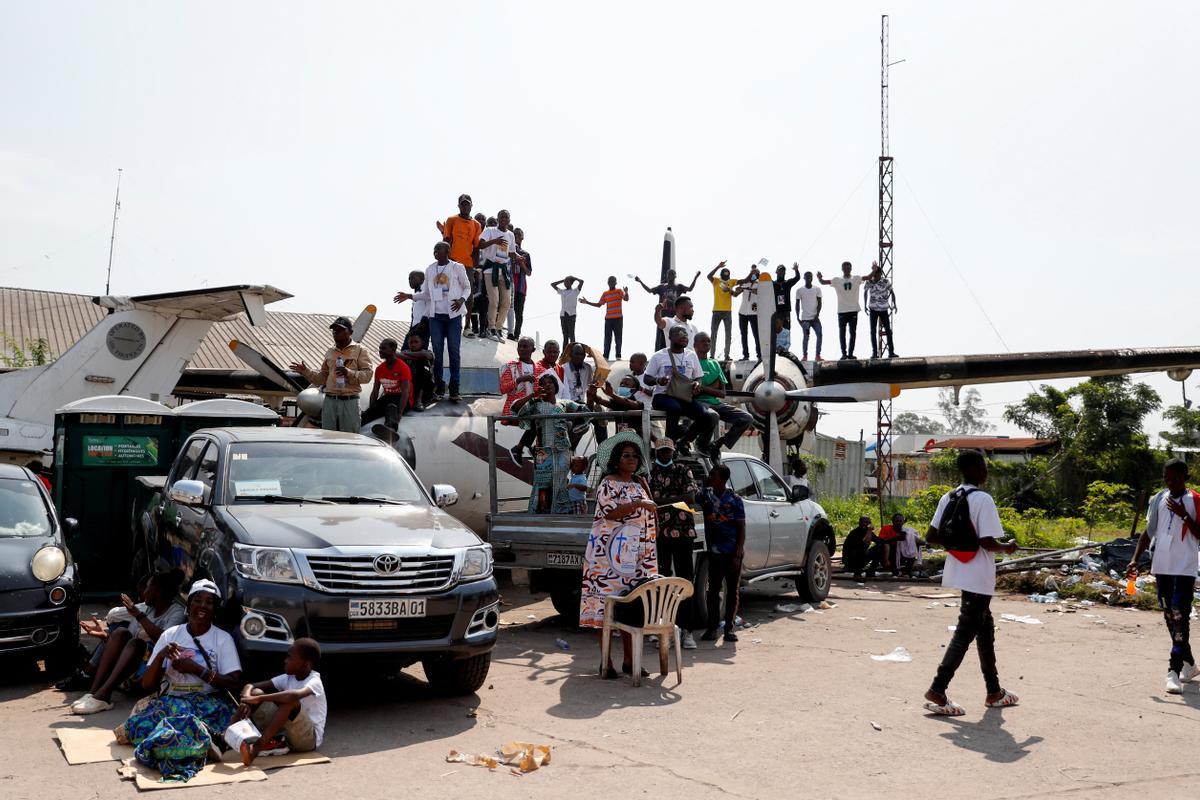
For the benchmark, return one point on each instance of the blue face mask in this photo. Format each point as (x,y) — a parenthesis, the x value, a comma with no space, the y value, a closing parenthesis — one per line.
(666,463)
(624,391)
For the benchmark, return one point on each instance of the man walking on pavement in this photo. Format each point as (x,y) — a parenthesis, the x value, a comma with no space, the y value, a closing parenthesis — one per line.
(672,482)
(808,312)
(725,538)
(521,271)
(967,524)
(846,288)
(448,287)
(1173,522)
(712,389)
(346,367)
(881,299)
(614,316)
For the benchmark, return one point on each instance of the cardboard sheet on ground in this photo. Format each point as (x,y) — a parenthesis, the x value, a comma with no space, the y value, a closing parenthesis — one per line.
(278,762)
(148,778)
(91,745)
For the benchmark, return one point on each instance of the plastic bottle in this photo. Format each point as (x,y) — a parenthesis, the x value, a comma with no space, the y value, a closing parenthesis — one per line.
(1131,586)
(563,644)
(341,381)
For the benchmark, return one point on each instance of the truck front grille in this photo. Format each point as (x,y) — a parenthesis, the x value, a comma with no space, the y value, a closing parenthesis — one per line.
(380,630)
(358,573)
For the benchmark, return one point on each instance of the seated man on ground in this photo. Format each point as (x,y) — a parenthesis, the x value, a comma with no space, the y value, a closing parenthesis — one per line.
(857,546)
(888,540)
(118,617)
(908,546)
(292,704)
(126,646)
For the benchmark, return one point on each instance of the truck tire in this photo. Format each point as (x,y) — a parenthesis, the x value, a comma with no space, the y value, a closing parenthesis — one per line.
(813,585)
(565,598)
(457,676)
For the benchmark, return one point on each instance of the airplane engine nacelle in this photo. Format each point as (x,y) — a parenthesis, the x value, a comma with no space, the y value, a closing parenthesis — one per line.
(310,401)
(795,417)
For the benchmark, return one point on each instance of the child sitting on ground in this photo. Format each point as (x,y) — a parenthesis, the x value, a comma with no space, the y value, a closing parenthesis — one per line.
(577,485)
(293,703)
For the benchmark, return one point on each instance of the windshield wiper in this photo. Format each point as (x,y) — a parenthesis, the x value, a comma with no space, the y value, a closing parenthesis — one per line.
(360,498)
(283,498)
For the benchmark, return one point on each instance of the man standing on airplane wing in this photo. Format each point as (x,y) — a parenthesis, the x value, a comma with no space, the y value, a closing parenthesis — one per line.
(346,367)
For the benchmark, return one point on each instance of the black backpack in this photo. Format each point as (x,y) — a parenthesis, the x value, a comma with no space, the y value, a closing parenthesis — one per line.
(955,532)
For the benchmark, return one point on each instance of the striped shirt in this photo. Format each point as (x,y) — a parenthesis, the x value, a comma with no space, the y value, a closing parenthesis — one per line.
(612,299)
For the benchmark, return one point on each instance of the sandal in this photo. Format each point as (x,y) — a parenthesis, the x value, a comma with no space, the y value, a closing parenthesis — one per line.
(949,709)
(1007,699)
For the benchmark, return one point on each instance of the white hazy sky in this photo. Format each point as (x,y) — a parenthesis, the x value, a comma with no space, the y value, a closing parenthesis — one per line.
(1045,154)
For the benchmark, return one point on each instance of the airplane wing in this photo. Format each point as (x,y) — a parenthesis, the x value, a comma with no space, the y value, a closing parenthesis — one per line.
(215,304)
(920,373)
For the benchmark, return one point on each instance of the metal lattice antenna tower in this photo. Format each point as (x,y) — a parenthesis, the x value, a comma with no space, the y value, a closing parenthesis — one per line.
(883,415)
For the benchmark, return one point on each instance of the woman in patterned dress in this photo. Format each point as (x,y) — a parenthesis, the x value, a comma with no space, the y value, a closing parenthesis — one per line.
(621,551)
(552,458)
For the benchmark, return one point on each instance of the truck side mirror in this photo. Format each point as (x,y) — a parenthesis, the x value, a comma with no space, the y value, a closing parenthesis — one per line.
(189,493)
(800,493)
(70,526)
(444,495)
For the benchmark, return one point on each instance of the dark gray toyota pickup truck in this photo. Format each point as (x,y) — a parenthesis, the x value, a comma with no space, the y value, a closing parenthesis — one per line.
(327,535)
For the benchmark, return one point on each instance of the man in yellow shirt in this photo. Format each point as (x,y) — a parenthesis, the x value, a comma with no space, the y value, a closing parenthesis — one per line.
(722,303)
(347,366)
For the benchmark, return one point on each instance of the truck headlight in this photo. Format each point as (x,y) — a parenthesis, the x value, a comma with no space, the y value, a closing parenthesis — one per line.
(48,564)
(274,564)
(477,563)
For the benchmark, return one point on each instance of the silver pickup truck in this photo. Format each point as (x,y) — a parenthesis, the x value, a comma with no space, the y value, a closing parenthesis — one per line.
(787,536)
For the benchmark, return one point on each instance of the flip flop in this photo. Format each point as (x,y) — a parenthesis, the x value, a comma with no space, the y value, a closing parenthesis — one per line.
(1007,699)
(950,709)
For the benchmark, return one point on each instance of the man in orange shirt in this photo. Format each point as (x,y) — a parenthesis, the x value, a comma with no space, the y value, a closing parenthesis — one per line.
(614,318)
(462,233)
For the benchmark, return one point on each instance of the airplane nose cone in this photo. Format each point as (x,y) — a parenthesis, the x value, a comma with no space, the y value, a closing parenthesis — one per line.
(770,396)
(310,401)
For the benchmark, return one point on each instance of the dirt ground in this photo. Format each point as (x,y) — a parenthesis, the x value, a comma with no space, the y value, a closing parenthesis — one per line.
(787,712)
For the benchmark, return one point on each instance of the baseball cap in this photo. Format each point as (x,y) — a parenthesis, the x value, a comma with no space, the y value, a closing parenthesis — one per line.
(664,444)
(341,322)
(204,585)
(466,197)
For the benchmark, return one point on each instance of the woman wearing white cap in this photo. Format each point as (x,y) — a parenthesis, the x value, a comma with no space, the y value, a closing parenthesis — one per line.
(198,663)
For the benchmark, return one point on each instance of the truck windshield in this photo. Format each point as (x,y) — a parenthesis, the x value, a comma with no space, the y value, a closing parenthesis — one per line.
(266,471)
(22,512)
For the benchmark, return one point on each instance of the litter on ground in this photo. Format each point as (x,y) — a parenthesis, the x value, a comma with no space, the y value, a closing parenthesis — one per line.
(899,656)
(1025,618)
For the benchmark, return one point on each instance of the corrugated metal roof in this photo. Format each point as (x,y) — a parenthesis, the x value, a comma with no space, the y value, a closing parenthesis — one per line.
(62,319)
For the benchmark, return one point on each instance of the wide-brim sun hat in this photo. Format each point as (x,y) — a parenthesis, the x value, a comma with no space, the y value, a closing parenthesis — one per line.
(605,450)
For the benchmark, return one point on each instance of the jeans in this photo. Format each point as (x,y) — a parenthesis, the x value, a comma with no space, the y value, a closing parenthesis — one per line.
(387,408)
(811,325)
(881,323)
(723,569)
(445,329)
(675,559)
(674,409)
(567,321)
(1175,594)
(498,294)
(613,328)
(975,623)
(751,321)
(738,422)
(518,312)
(660,337)
(848,321)
(719,318)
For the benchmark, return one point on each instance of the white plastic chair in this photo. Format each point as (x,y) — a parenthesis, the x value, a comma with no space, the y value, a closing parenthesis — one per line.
(660,599)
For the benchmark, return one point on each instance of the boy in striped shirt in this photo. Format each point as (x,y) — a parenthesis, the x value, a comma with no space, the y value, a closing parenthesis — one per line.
(614,320)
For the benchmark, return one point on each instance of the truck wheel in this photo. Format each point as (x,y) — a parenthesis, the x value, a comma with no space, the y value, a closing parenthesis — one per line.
(565,599)
(813,585)
(457,676)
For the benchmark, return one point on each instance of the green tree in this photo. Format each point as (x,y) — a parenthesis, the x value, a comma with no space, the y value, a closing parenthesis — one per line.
(1186,422)
(1098,425)
(909,422)
(30,353)
(967,416)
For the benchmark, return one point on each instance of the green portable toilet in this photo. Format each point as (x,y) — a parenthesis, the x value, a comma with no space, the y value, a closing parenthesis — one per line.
(101,444)
(221,413)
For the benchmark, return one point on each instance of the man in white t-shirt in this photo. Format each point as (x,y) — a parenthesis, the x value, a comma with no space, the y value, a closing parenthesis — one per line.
(847,290)
(808,312)
(568,291)
(1173,523)
(975,575)
(683,318)
(747,289)
(292,704)
(498,256)
(678,359)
